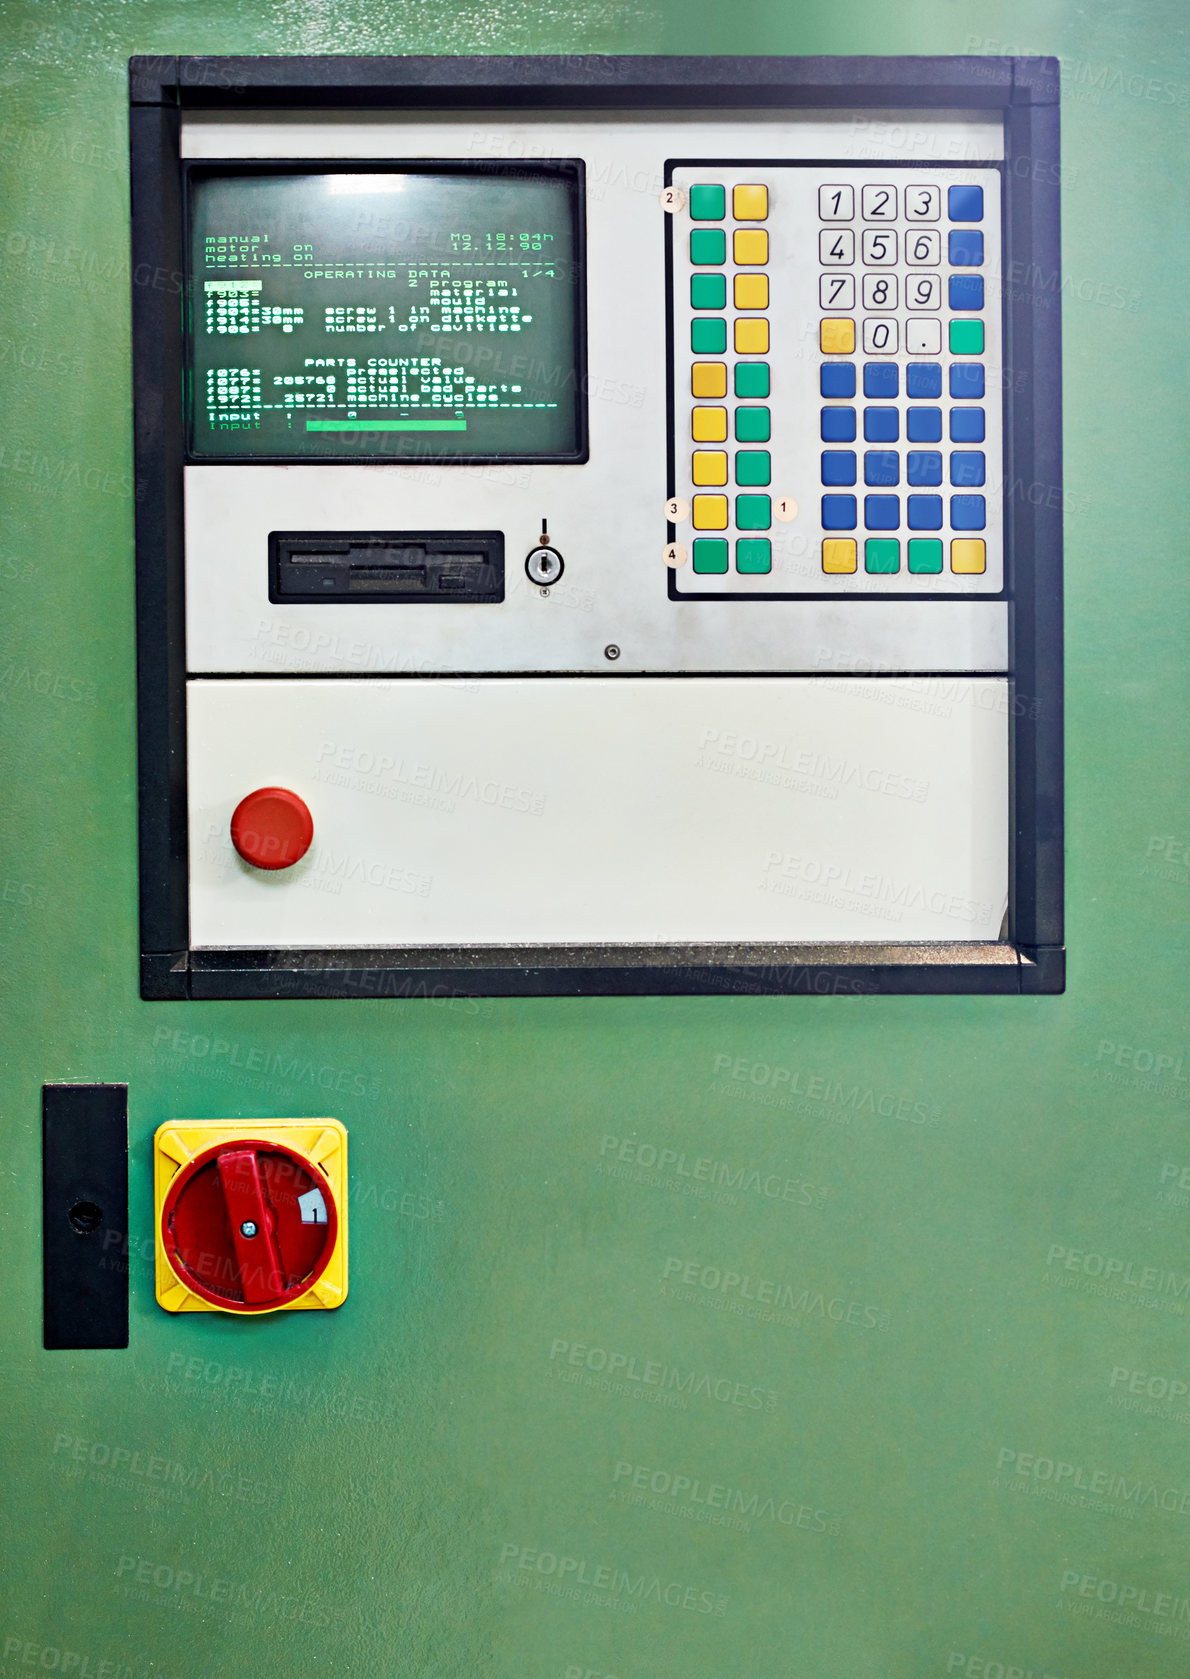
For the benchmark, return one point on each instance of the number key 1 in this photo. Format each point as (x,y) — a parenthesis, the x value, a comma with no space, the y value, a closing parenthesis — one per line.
(836,204)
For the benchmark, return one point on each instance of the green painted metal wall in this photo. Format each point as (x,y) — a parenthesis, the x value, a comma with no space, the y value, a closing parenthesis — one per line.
(534,1444)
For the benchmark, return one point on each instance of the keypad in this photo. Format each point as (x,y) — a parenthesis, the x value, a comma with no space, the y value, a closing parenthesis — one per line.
(843,335)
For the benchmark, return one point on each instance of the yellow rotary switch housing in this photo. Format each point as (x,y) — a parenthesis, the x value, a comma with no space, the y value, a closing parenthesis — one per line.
(250,1216)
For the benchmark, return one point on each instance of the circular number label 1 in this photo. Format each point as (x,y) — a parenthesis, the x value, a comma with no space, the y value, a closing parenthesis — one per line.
(785,508)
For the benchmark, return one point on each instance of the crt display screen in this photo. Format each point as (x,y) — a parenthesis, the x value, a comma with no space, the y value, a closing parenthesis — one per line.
(424,312)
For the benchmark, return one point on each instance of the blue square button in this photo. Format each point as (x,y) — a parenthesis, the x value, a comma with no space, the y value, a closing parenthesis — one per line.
(923,379)
(925,513)
(882,513)
(965,291)
(838,466)
(838,513)
(967,513)
(966,380)
(923,425)
(881,378)
(881,425)
(966,425)
(964,204)
(966,467)
(837,378)
(964,247)
(923,466)
(838,425)
(882,467)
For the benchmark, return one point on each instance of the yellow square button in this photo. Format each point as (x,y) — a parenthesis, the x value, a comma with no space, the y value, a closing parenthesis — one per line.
(751,291)
(750,203)
(836,338)
(709,425)
(709,513)
(838,554)
(750,245)
(710,466)
(708,378)
(968,555)
(752,337)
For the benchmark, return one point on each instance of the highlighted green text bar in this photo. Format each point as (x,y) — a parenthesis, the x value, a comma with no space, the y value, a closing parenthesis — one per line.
(386,425)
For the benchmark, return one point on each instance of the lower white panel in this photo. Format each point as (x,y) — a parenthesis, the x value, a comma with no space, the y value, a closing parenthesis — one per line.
(592,810)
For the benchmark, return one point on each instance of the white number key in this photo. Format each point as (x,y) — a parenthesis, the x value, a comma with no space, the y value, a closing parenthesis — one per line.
(880,291)
(880,204)
(836,291)
(923,291)
(836,246)
(923,204)
(836,204)
(880,338)
(923,338)
(923,248)
(879,248)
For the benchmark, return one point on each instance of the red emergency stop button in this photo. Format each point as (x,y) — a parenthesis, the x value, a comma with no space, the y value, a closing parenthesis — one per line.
(249,1226)
(272,828)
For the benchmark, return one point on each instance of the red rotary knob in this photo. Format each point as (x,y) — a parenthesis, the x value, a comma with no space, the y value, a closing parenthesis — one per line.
(250,1226)
(272,828)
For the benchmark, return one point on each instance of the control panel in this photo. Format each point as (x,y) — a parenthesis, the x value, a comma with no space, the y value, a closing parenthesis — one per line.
(598,530)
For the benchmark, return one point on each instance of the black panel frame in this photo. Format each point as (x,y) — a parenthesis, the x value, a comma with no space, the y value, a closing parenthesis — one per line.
(1025,93)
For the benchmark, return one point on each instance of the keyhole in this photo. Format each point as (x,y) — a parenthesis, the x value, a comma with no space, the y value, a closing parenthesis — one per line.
(85,1216)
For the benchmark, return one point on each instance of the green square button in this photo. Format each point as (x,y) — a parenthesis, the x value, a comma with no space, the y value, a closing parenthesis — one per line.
(753,513)
(752,425)
(752,466)
(708,291)
(708,338)
(710,554)
(751,378)
(966,338)
(925,554)
(882,554)
(753,554)
(708,245)
(707,203)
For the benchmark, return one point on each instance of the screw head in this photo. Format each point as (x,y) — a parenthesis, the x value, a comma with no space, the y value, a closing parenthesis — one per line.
(611,651)
(248,1228)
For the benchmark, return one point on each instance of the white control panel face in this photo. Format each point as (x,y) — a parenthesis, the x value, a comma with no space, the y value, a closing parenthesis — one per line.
(837,368)
(613,606)
(622,810)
